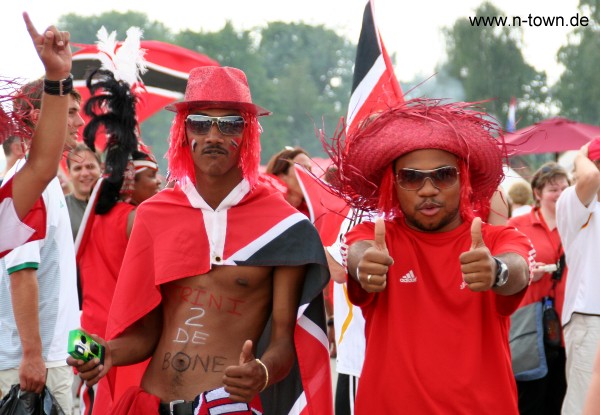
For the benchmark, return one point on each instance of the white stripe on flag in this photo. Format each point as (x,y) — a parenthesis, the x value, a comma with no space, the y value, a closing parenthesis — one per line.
(250,249)
(364,88)
(299,405)
(314,330)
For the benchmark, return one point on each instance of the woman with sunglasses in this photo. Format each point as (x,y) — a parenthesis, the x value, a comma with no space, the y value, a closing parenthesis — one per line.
(436,285)
(545,395)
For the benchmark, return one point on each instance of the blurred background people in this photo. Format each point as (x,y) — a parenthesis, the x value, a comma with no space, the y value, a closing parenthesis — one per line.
(545,395)
(84,170)
(520,197)
(281,165)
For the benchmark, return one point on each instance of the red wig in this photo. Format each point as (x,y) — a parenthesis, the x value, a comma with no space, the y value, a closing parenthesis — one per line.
(181,164)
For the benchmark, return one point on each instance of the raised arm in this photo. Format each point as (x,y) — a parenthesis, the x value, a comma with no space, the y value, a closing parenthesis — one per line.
(51,128)
(588,177)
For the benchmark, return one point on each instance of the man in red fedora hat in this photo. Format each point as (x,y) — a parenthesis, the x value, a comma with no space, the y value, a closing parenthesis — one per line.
(221,284)
(579,231)
(435,284)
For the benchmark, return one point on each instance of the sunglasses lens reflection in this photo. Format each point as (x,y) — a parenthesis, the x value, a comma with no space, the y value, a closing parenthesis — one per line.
(228,125)
(442,178)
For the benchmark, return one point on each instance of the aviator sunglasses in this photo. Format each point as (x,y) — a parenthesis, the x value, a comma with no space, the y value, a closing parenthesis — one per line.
(227,125)
(441,178)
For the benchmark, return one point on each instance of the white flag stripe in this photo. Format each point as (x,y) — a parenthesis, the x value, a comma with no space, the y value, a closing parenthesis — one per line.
(314,330)
(228,408)
(253,247)
(364,88)
(299,405)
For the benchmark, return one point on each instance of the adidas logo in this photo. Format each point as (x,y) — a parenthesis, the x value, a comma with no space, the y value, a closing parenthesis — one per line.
(409,277)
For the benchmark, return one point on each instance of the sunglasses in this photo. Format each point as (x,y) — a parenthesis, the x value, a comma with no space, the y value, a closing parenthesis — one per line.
(441,178)
(227,125)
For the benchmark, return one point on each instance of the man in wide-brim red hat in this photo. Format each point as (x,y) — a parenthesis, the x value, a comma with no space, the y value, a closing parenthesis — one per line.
(217,272)
(435,284)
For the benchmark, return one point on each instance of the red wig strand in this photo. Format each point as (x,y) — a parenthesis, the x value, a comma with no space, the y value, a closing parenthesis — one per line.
(179,155)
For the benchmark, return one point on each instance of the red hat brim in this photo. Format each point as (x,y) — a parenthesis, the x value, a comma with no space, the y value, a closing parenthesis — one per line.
(253,109)
(417,125)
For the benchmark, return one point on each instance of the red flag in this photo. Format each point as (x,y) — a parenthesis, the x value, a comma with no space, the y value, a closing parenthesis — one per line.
(327,210)
(374,86)
(165,80)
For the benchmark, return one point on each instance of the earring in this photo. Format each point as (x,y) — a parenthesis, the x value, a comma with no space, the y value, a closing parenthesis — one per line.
(194,144)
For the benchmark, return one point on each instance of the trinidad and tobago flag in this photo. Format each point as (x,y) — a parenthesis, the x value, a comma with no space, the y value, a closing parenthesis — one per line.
(327,210)
(168,67)
(374,85)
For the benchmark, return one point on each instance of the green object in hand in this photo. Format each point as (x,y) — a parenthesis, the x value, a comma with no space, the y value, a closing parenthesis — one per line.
(83,347)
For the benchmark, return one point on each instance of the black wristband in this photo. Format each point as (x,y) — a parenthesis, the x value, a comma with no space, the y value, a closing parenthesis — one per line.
(60,88)
(330,321)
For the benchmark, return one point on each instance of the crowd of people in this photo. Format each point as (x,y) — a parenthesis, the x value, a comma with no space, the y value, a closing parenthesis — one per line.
(217,293)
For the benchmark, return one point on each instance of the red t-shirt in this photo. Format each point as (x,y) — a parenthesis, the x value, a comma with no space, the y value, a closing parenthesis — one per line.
(434,346)
(99,266)
(547,250)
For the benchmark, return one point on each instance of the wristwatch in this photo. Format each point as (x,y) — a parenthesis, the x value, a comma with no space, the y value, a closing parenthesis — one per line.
(501,273)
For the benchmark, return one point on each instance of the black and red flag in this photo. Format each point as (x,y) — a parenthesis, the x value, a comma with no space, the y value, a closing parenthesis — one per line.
(374,85)
(165,78)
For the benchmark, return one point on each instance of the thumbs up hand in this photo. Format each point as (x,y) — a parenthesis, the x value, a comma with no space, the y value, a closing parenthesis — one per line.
(477,264)
(244,381)
(375,262)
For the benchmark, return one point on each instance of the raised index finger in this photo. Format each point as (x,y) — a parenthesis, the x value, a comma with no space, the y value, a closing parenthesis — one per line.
(380,235)
(30,27)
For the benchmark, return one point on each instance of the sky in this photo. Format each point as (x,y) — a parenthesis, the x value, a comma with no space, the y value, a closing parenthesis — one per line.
(409,28)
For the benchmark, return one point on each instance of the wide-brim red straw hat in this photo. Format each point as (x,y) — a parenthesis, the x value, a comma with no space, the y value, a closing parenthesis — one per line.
(416,125)
(218,87)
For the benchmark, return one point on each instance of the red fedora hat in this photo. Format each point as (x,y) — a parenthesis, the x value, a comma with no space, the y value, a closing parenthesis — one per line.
(218,87)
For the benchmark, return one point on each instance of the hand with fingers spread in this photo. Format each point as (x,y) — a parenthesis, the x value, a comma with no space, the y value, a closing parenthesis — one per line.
(375,262)
(243,382)
(91,372)
(53,48)
(477,264)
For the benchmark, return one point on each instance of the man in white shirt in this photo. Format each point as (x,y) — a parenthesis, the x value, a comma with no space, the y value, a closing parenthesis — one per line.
(578,223)
(38,287)
(21,209)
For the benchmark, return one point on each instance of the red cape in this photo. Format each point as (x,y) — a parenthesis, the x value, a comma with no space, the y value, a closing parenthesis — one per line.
(262,230)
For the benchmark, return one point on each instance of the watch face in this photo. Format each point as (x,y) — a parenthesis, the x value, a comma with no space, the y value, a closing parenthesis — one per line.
(501,273)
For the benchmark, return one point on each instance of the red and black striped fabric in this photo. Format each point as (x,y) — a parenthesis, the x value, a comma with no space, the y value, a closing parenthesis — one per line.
(374,85)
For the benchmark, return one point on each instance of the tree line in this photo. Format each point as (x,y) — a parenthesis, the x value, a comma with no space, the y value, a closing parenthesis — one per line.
(303,73)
